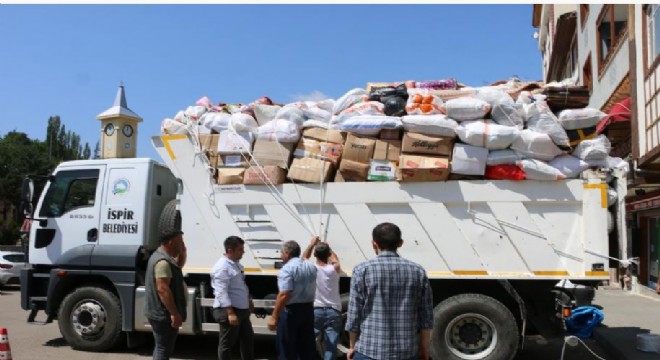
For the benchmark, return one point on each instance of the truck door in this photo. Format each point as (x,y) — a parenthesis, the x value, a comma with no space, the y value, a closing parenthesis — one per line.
(68,215)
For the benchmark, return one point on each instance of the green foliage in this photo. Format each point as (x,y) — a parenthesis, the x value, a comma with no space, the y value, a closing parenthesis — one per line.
(21,156)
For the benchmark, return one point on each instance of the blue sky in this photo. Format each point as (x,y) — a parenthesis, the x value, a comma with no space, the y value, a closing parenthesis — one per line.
(68,60)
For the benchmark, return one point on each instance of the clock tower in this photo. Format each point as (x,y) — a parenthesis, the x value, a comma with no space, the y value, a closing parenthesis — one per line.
(119,129)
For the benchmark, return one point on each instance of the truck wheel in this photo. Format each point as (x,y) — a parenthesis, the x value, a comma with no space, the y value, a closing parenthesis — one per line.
(170,218)
(473,327)
(90,319)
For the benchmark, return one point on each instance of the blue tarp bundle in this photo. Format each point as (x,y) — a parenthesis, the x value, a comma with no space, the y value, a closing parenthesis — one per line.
(583,320)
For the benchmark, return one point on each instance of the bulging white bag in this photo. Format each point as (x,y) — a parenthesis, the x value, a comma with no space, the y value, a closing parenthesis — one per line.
(291,113)
(541,119)
(349,99)
(465,108)
(363,108)
(539,170)
(172,127)
(609,163)
(508,113)
(501,157)
(194,113)
(439,125)
(573,119)
(217,121)
(487,134)
(536,145)
(569,165)
(423,102)
(369,125)
(318,110)
(279,130)
(265,113)
(242,122)
(593,149)
(315,123)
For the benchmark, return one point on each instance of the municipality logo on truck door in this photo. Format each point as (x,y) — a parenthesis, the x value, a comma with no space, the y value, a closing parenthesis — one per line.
(121,186)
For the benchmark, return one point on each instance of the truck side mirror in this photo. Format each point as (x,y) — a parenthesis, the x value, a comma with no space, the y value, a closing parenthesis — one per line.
(27,193)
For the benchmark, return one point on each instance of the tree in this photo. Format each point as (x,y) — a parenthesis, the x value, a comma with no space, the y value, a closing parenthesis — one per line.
(97,151)
(87,152)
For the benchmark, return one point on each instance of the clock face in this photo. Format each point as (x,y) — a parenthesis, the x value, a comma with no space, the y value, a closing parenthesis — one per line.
(109,129)
(127,130)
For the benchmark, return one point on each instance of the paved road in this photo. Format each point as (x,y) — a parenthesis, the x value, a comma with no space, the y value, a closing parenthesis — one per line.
(36,342)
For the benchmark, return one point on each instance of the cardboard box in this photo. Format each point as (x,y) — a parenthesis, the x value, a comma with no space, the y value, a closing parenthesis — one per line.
(308,170)
(353,170)
(469,160)
(415,143)
(359,148)
(235,142)
(274,153)
(209,142)
(339,177)
(391,134)
(321,134)
(414,168)
(319,150)
(387,150)
(212,155)
(380,170)
(228,176)
(269,174)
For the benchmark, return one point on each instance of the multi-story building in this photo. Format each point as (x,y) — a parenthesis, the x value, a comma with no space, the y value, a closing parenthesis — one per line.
(612,49)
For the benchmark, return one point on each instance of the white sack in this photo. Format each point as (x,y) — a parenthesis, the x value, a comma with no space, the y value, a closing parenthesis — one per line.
(593,149)
(465,108)
(217,121)
(172,127)
(318,110)
(573,119)
(242,122)
(539,170)
(468,159)
(609,163)
(363,108)
(501,157)
(369,125)
(487,134)
(536,145)
(541,119)
(349,99)
(508,113)
(194,113)
(279,130)
(291,113)
(569,165)
(492,95)
(265,113)
(439,125)
(315,123)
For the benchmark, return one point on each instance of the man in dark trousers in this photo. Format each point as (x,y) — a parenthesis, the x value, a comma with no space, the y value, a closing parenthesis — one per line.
(166,293)
(293,315)
(232,304)
(390,311)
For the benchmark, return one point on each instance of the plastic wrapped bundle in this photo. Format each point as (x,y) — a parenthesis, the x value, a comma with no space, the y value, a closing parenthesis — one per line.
(291,113)
(569,165)
(593,149)
(536,145)
(242,122)
(465,108)
(446,84)
(487,134)
(573,119)
(369,125)
(216,121)
(439,125)
(539,170)
(503,157)
(423,102)
(279,130)
(364,108)
(541,119)
(509,114)
(265,113)
(172,127)
(349,99)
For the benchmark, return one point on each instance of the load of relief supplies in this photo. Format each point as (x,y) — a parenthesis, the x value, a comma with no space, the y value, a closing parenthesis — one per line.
(408,132)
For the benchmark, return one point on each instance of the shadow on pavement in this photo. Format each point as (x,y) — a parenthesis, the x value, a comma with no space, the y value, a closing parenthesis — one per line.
(621,342)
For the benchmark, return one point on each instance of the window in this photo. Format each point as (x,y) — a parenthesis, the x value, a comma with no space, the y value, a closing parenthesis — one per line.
(584,14)
(586,74)
(612,24)
(15,258)
(69,190)
(652,30)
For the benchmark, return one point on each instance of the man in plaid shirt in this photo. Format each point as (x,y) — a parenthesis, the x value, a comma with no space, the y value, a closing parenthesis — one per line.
(390,311)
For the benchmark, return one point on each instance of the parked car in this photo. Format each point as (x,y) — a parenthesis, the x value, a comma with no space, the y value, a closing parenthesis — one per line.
(11,264)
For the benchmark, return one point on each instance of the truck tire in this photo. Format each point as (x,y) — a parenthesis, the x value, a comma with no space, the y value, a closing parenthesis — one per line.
(90,319)
(170,218)
(473,327)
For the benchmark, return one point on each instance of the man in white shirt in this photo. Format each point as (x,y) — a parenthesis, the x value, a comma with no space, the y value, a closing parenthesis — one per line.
(232,305)
(327,302)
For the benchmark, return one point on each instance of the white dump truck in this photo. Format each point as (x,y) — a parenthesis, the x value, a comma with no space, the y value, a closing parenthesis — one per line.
(493,250)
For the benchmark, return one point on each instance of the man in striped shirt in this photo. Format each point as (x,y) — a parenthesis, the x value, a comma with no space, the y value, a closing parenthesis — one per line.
(390,311)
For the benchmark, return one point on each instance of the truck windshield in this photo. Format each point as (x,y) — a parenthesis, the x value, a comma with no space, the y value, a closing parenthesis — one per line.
(70,190)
